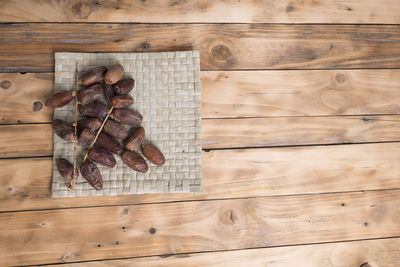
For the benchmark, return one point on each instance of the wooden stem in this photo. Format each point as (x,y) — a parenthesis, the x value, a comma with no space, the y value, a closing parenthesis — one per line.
(71,185)
(98,132)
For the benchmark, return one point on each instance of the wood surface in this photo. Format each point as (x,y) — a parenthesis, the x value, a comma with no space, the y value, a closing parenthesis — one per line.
(378,252)
(288,131)
(244,11)
(288,88)
(156,229)
(27,140)
(30,46)
(233,94)
(25,183)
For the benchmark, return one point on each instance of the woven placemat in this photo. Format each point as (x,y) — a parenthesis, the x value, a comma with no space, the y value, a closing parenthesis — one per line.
(167,94)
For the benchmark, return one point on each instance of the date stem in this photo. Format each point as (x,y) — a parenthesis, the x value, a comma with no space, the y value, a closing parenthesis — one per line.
(71,185)
(98,132)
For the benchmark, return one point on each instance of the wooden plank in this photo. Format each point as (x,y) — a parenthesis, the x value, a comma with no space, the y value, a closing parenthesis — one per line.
(25,183)
(23,97)
(230,94)
(244,11)
(299,93)
(26,140)
(36,139)
(378,252)
(36,237)
(283,131)
(30,47)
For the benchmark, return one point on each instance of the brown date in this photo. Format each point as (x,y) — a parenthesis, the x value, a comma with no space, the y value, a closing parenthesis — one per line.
(109,143)
(153,154)
(66,169)
(102,156)
(63,130)
(114,74)
(60,99)
(126,116)
(94,109)
(108,93)
(93,76)
(92,174)
(122,101)
(91,123)
(115,129)
(135,139)
(134,161)
(90,94)
(124,86)
(86,137)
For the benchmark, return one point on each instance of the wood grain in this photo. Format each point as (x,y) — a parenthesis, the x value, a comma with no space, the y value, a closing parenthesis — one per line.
(244,11)
(30,47)
(284,131)
(299,93)
(26,140)
(232,94)
(25,183)
(23,97)
(378,252)
(36,237)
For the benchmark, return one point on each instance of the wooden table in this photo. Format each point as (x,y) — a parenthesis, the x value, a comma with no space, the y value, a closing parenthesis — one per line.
(301,112)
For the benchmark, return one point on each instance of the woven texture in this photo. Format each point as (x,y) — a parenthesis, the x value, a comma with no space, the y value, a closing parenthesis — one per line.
(167,94)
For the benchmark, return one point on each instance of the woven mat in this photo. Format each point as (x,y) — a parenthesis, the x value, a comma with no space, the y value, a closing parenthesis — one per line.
(167,94)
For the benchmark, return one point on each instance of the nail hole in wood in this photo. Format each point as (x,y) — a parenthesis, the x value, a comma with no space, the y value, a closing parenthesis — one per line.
(366,224)
(22,73)
(343,204)
(152,230)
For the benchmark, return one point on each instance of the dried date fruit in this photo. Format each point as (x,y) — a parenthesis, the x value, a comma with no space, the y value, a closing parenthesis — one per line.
(86,137)
(114,74)
(90,94)
(93,76)
(63,130)
(122,101)
(134,161)
(126,116)
(153,154)
(92,174)
(108,93)
(109,143)
(59,100)
(135,139)
(102,156)
(124,86)
(115,129)
(91,123)
(66,169)
(94,109)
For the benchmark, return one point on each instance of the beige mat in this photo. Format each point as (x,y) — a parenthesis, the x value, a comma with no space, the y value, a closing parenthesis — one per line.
(167,94)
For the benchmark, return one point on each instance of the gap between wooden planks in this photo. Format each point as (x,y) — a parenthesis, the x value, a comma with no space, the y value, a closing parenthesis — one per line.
(232,11)
(25,183)
(186,227)
(377,252)
(30,46)
(238,94)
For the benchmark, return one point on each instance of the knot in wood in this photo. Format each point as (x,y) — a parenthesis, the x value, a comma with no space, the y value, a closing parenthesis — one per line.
(5,84)
(228,217)
(340,78)
(221,52)
(37,106)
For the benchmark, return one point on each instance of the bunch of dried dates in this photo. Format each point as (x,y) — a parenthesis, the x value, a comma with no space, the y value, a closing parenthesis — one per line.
(103,128)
